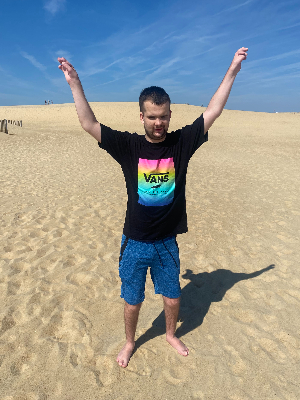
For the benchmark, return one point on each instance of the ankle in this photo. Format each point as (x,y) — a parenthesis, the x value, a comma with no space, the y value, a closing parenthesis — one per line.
(130,342)
(170,335)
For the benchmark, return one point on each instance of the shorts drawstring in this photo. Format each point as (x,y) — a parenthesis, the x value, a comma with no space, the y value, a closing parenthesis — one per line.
(167,251)
(158,256)
(170,253)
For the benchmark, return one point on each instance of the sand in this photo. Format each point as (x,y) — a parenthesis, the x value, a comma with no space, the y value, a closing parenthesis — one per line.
(62,207)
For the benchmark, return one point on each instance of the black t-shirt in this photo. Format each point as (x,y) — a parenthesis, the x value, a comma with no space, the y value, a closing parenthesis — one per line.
(155,175)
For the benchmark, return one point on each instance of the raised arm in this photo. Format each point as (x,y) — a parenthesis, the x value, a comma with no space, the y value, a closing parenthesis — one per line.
(219,99)
(85,114)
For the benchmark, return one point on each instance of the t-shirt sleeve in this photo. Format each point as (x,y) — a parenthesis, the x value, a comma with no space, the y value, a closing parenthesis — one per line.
(193,136)
(116,143)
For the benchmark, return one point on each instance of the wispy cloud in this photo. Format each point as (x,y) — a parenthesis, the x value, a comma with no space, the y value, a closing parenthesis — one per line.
(234,8)
(123,77)
(161,73)
(165,67)
(33,61)
(289,54)
(271,78)
(93,70)
(62,53)
(205,39)
(282,55)
(10,80)
(289,26)
(42,68)
(53,6)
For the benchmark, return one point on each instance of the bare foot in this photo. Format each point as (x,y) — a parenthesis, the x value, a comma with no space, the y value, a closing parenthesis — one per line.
(125,354)
(178,345)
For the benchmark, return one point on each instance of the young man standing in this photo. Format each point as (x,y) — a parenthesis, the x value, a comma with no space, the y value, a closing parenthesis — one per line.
(154,167)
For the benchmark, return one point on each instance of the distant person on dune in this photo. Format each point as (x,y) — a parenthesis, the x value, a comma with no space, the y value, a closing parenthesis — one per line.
(154,167)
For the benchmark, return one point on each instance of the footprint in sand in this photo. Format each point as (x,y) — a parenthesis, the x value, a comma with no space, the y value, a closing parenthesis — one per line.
(8,249)
(13,288)
(139,363)
(182,370)
(33,306)
(7,323)
(20,365)
(273,349)
(234,362)
(109,371)
(17,266)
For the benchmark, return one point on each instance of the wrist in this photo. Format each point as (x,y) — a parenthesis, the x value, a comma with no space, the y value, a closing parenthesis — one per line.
(75,84)
(233,70)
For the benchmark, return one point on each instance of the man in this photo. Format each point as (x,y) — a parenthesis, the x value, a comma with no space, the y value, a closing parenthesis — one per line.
(155,167)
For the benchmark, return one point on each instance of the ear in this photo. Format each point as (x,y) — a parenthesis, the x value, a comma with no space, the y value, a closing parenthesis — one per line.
(170,113)
(142,118)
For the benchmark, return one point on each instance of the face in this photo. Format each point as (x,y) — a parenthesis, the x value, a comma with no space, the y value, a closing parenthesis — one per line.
(156,119)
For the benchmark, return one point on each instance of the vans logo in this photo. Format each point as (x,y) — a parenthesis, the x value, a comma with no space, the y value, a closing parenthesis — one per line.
(157,178)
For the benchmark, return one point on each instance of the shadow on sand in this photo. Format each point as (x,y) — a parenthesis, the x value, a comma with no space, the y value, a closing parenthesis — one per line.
(196,298)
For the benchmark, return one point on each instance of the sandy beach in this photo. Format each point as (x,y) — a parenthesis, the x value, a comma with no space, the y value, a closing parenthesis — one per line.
(62,209)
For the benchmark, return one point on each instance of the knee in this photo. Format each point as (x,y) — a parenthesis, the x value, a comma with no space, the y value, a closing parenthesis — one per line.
(171,302)
(132,307)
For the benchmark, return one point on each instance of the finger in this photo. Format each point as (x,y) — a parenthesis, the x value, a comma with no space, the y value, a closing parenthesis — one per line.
(62,68)
(62,60)
(242,53)
(67,66)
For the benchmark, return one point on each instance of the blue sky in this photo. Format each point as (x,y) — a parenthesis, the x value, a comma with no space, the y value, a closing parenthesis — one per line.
(120,47)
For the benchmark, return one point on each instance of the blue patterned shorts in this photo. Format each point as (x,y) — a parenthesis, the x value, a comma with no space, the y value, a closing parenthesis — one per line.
(162,256)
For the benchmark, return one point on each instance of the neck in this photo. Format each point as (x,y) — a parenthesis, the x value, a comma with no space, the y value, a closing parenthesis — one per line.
(154,140)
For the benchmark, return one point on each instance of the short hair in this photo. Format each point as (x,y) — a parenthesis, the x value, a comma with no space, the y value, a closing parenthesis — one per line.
(155,94)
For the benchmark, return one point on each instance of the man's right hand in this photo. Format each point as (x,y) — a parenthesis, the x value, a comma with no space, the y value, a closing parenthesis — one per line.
(68,70)
(85,114)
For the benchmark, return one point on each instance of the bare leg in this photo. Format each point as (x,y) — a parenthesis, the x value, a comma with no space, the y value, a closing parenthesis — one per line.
(171,307)
(131,314)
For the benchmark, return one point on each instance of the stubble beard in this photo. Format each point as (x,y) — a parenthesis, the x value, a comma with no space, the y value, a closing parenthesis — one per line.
(155,138)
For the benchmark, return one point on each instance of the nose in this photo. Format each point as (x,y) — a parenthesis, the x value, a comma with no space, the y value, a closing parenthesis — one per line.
(157,121)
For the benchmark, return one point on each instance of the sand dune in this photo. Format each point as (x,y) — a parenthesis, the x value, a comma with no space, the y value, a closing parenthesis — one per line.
(62,207)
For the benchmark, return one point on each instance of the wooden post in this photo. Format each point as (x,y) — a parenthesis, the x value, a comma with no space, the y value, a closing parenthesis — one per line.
(3,127)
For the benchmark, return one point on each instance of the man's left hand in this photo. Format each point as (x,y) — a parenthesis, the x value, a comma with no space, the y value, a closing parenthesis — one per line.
(239,56)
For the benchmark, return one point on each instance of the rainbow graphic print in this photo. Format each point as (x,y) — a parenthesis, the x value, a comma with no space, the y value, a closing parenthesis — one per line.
(156,182)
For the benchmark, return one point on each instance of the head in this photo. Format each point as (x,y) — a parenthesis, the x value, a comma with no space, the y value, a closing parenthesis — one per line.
(155,113)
